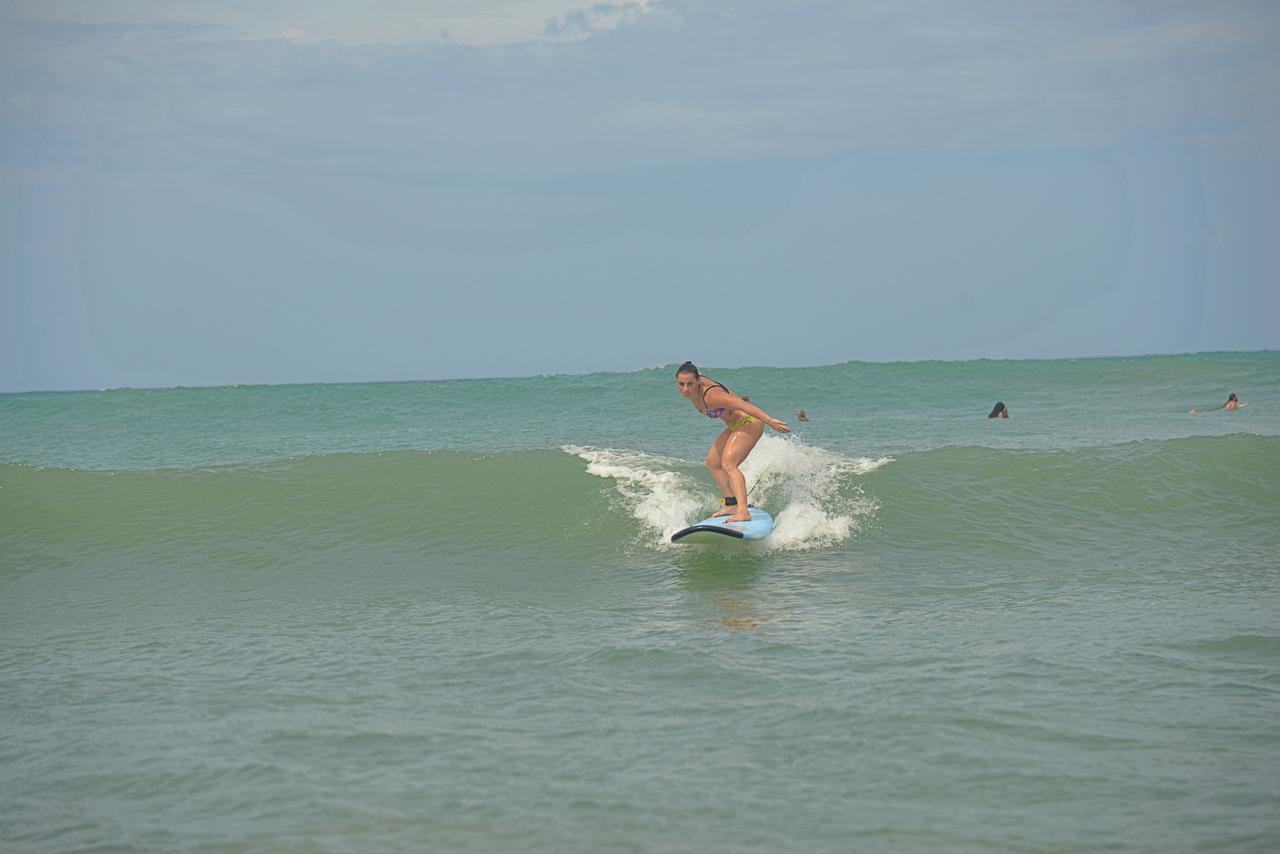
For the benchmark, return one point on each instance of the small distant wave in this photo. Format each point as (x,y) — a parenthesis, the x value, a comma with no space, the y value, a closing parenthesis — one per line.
(810,490)
(1244,648)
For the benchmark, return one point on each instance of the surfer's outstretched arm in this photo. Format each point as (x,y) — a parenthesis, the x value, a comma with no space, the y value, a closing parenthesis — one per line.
(721,397)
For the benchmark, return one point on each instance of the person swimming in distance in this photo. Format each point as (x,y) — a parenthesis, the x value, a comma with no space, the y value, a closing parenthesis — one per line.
(744,425)
(1233,402)
(801,416)
(999,411)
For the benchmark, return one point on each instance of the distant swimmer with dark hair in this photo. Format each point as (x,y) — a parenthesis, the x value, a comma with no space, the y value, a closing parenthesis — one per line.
(1233,402)
(999,410)
(744,425)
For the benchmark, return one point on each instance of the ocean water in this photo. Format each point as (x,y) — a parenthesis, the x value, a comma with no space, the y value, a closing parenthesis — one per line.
(445,615)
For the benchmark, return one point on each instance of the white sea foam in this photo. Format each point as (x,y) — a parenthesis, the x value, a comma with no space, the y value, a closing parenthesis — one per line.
(812,492)
(662,498)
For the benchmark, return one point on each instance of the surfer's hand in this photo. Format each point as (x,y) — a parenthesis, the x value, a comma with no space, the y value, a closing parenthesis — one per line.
(779,426)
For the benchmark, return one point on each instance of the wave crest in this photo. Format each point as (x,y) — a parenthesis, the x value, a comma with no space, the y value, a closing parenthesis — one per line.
(810,491)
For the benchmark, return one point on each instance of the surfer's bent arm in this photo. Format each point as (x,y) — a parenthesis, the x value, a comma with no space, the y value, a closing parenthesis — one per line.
(732,401)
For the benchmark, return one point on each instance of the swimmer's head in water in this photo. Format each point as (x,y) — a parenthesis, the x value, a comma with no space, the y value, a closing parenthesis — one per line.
(999,408)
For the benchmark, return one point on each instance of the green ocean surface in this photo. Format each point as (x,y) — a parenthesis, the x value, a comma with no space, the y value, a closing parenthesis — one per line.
(446,615)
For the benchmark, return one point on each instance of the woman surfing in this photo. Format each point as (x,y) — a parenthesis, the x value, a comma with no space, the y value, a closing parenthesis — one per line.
(744,425)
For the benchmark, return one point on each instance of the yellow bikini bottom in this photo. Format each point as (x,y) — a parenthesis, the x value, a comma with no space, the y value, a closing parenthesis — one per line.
(735,425)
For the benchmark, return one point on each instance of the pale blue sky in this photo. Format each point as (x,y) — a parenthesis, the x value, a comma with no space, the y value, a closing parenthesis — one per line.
(197,193)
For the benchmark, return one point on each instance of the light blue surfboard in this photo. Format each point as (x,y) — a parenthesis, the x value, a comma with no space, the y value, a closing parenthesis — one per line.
(717,530)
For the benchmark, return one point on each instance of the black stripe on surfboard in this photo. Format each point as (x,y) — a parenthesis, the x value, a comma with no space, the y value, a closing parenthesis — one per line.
(710,529)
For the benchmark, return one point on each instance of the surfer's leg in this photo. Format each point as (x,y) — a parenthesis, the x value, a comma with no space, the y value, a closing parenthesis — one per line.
(717,470)
(736,447)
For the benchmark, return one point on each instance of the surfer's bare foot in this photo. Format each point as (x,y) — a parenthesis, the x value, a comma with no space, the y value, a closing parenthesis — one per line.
(724,511)
(741,516)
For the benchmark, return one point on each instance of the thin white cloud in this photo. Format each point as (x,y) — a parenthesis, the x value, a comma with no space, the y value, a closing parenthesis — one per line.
(479,23)
(1208,33)
(580,23)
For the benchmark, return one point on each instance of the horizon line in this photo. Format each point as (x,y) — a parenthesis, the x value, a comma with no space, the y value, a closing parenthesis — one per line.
(624,371)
